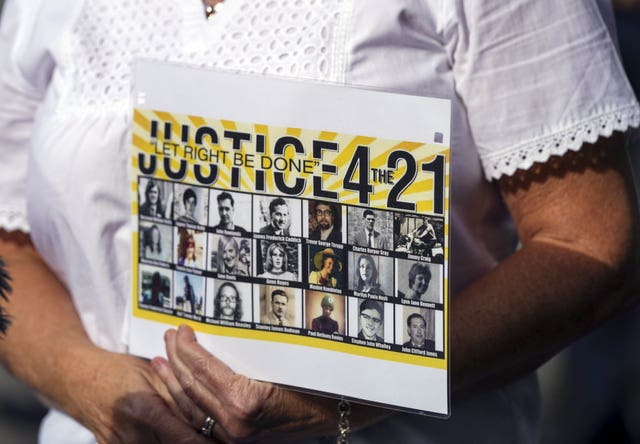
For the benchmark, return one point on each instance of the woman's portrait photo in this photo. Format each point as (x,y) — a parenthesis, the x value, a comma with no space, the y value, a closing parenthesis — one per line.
(190,247)
(155,241)
(152,196)
(280,260)
(230,255)
(188,293)
(419,281)
(325,266)
(371,274)
(155,286)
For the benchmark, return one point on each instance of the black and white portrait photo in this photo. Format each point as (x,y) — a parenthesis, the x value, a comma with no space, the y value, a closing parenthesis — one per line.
(370,319)
(277,216)
(229,300)
(371,274)
(230,255)
(156,241)
(419,281)
(278,260)
(420,235)
(419,328)
(230,211)
(153,195)
(370,228)
(190,204)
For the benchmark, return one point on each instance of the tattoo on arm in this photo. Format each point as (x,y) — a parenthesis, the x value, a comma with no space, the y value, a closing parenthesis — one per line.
(5,290)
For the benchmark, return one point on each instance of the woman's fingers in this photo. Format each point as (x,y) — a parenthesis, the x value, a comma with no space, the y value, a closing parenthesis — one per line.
(190,412)
(187,409)
(195,373)
(193,376)
(233,400)
(204,367)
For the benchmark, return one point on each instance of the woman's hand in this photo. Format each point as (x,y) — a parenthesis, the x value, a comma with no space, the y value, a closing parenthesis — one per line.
(124,401)
(245,410)
(118,397)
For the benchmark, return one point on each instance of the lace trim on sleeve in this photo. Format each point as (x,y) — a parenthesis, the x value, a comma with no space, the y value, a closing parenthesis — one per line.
(13,221)
(523,156)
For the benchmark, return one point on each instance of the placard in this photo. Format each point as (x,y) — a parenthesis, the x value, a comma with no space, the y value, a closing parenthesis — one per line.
(300,228)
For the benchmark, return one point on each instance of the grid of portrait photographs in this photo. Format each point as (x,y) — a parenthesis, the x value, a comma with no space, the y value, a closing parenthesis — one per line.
(353,274)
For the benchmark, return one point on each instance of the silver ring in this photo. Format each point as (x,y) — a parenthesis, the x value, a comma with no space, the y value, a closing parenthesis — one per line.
(207,428)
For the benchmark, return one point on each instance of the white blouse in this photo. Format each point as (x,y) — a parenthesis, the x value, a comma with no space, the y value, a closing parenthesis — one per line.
(528,79)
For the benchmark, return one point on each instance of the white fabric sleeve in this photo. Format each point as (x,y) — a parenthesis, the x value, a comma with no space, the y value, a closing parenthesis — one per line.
(24,75)
(537,78)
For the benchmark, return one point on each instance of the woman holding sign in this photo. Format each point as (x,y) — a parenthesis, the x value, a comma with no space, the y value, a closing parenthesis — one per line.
(539,102)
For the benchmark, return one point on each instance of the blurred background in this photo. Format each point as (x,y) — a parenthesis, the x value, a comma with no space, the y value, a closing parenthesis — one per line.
(590,391)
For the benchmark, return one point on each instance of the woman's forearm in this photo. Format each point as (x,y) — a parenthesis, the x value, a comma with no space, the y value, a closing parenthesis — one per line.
(46,342)
(578,223)
(118,397)
(527,309)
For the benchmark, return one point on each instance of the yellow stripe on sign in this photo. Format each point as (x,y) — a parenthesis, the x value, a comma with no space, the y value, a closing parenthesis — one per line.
(229,125)
(327,136)
(295,132)
(346,153)
(141,120)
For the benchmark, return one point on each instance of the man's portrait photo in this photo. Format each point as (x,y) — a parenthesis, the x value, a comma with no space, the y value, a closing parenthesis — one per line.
(155,241)
(190,204)
(189,247)
(278,260)
(371,274)
(277,216)
(325,266)
(367,319)
(419,281)
(420,235)
(279,305)
(152,198)
(226,209)
(420,331)
(325,221)
(419,328)
(324,312)
(188,293)
(230,255)
(229,300)
(370,228)
(155,286)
